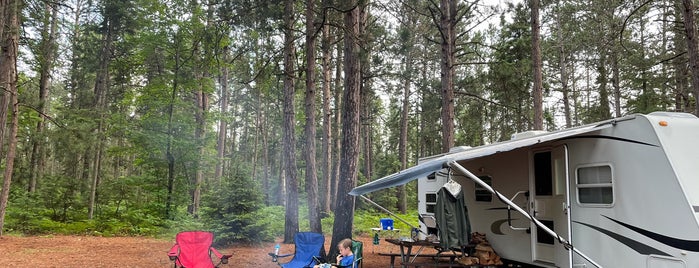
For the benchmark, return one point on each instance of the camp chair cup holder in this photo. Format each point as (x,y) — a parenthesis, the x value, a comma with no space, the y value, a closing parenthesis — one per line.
(224,258)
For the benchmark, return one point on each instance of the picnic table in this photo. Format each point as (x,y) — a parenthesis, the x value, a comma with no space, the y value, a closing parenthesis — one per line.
(407,257)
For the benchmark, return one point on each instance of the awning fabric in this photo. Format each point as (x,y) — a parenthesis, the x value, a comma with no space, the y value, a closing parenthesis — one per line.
(437,163)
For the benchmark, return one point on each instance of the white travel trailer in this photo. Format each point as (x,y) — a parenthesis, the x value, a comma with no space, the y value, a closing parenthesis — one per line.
(618,193)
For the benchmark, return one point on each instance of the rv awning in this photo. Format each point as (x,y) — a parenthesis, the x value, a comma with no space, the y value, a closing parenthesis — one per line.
(432,165)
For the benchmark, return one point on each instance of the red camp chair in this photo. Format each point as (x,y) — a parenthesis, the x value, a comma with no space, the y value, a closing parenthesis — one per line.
(193,249)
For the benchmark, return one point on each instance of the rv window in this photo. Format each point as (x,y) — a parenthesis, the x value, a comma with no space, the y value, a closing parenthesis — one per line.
(595,185)
(431,198)
(430,202)
(543,175)
(483,195)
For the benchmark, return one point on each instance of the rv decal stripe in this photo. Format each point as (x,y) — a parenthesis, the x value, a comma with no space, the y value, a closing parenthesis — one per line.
(611,138)
(633,244)
(673,242)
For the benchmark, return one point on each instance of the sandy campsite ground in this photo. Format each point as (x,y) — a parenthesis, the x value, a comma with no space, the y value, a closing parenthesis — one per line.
(89,251)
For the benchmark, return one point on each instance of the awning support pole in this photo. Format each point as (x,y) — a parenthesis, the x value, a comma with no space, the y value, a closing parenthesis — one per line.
(504,199)
(389,212)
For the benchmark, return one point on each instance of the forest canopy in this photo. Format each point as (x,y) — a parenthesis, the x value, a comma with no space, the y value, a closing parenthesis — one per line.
(128,117)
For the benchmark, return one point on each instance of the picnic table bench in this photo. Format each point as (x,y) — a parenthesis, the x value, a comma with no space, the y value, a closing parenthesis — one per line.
(435,257)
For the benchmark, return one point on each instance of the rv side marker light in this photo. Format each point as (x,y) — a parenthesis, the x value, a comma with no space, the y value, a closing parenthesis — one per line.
(663,123)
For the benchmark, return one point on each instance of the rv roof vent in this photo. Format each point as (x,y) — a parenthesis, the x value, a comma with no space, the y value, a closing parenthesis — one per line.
(526,134)
(459,149)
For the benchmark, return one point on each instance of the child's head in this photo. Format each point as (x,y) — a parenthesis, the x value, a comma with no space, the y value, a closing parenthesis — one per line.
(345,247)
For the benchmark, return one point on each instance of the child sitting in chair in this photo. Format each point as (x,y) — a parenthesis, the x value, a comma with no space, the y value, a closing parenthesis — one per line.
(346,257)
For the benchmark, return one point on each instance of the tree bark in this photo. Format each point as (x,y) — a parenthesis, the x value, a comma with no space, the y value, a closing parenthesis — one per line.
(48,50)
(407,55)
(344,212)
(448,32)
(537,90)
(692,47)
(562,67)
(8,83)
(310,129)
(291,224)
(326,159)
(168,149)
(338,123)
(5,93)
(222,123)
(100,105)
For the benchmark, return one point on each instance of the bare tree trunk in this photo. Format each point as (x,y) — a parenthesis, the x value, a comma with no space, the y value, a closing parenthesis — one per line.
(409,26)
(562,66)
(679,64)
(291,224)
(338,123)
(344,212)
(100,104)
(604,111)
(5,93)
(202,104)
(8,84)
(168,150)
(692,47)
(326,159)
(310,152)
(537,90)
(616,84)
(48,49)
(222,123)
(448,32)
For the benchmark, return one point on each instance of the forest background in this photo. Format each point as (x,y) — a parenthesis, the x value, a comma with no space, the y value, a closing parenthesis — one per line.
(137,117)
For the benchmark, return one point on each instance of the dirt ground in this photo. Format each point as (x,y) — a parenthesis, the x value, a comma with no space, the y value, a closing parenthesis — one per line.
(88,251)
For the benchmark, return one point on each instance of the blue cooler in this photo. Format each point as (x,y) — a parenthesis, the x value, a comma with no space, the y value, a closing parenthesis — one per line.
(386,224)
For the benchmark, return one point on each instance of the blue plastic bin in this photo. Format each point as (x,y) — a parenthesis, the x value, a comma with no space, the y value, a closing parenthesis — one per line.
(386,224)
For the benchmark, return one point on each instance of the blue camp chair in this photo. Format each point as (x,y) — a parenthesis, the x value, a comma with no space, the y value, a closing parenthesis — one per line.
(308,245)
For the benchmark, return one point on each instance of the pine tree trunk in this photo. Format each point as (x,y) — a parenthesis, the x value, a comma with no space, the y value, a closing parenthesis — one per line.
(326,159)
(48,48)
(338,124)
(679,64)
(8,82)
(310,129)
(5,10)
(100,106)
(448,23)
(537,90)
(168,150)
(202,104)
(349,159)
(405,110)
(222,123)
(692,47)
(562,67)
(291,224)
(616,83)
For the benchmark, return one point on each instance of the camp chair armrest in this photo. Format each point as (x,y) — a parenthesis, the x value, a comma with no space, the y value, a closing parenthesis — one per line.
(174,251)
(218,254)
(283,255)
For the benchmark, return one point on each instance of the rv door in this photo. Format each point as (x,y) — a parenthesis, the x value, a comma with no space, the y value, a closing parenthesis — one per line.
(550,201)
